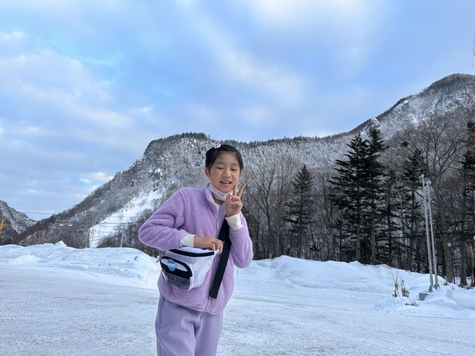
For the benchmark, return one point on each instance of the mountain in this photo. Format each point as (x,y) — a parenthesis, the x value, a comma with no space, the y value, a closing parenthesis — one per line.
(444,96)
(13,223)
(115,211)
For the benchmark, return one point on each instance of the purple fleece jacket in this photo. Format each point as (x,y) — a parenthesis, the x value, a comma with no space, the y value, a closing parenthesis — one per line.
(193,211)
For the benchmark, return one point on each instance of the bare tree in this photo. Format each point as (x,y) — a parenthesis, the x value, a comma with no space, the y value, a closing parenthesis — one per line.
(440,138)
(326,215)
(269,187)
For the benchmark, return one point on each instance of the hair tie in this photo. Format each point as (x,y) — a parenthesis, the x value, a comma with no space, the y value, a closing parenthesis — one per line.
(217,145)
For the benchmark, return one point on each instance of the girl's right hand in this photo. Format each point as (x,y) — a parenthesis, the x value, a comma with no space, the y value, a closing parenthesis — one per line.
(209,243)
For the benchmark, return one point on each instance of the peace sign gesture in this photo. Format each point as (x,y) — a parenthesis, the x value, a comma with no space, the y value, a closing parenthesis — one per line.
(233,201)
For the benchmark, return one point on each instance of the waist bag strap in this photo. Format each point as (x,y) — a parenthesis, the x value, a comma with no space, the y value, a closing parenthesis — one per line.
(223,236)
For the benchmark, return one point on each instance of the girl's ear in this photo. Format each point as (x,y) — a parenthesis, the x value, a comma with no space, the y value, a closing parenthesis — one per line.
(207,172)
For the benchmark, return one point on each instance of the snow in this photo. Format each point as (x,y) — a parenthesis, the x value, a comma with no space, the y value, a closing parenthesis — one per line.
(122,217)
(57,300)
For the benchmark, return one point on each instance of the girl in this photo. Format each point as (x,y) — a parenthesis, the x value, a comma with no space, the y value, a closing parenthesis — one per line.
(190,322)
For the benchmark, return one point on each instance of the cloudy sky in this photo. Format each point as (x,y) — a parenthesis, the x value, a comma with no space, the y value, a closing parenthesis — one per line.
(85,85)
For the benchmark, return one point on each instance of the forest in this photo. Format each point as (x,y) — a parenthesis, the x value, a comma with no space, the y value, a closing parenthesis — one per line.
(383,203)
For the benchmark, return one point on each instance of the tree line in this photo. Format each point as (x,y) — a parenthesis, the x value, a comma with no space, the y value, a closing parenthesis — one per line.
(369,206)
(372,205)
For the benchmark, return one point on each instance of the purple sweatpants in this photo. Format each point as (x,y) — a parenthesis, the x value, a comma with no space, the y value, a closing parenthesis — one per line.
(186,332)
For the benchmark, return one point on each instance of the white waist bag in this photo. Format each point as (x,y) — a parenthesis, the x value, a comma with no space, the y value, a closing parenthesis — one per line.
(186,267)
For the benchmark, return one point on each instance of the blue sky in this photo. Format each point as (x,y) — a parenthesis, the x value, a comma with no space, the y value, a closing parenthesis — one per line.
(85,85)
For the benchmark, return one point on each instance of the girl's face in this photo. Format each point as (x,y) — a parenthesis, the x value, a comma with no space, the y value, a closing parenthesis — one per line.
(225,172)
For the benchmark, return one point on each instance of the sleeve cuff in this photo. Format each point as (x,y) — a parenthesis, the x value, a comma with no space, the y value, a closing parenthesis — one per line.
(234,221)
(188,240)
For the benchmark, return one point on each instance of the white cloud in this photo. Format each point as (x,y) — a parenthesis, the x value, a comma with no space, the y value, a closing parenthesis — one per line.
(43,66)
(95,178)
(342,32)
(242,68)
(301,15)
(101,177)
(62,94)
(258,116)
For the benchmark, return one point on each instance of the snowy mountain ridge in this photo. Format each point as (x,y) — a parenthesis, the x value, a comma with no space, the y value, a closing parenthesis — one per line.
(118,208)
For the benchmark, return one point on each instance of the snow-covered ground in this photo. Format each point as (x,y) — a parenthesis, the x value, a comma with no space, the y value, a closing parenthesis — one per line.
(56,300)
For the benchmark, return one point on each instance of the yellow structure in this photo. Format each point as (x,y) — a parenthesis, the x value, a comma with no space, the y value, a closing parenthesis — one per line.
(2,225)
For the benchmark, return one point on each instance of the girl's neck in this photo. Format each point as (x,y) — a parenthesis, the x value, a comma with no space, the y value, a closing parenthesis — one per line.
(217,201)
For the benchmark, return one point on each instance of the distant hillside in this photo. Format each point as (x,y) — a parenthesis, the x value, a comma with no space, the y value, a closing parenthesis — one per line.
(116,209)
(14,223)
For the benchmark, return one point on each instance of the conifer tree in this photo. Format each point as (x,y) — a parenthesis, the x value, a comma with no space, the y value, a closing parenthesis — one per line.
(348,192)
(389,249)
(411,217)
(374,192)
(299,211)
(358,193)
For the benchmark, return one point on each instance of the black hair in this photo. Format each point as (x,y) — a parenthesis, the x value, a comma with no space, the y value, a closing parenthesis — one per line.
(213,153)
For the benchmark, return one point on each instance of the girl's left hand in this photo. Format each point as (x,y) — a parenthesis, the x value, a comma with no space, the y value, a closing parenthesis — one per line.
(233,201)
